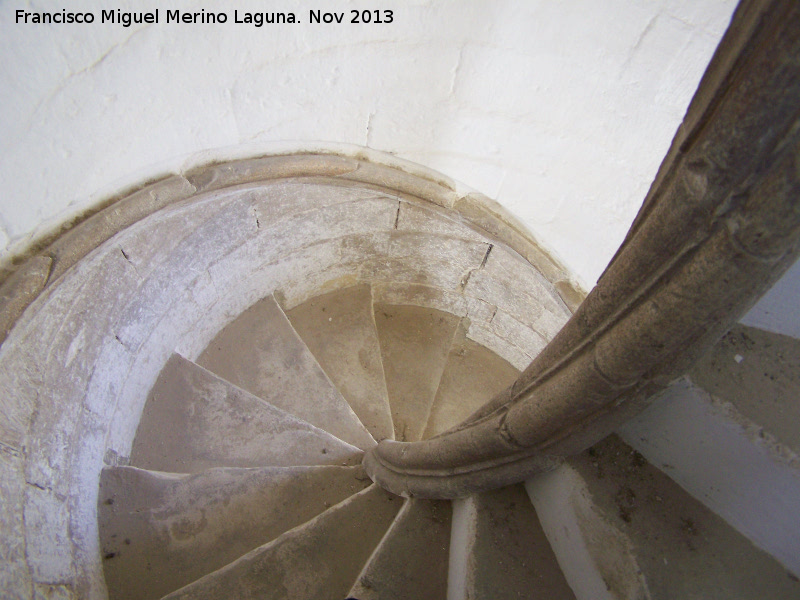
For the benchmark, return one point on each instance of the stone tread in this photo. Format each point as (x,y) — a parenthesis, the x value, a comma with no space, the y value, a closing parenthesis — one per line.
(339,329)
(759,373)
(415,342)
(161,531)
(473,376)
(411,560)
(682,548)
(261,353)
(320,559)
(193,421)
(509,556)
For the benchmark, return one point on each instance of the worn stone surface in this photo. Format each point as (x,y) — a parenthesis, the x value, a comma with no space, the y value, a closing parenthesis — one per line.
(339,329)
(510,556)
(162,531)
(19,290)
(277,239)
(420,295)
(320,559)
(510,283)
(415,343)
(206,241)
(597,559)
(48,547)
(571,293)
(78,242)
(508,329)
(20,383)
(472,377)
(194,421)
(683,549)
(426,259)
(288,198)
(504,349)
(15,579)
(759,373)
(411,560)
(429,219)
(727,462)
(261,353)
(497,221)
(396,179)
(45,591)
(269,167)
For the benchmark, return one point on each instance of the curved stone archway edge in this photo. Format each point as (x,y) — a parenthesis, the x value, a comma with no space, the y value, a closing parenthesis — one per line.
(42,269)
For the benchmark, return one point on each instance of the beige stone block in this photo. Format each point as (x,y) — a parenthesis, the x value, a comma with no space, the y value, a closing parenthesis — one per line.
(506,350)
(394,179)
(47,538)
(15,578)
(511,284)
(21,289)
(421,295)
(415,343)
(509,555)
(46,591)
(277,200)
(161,531)
(194,421)
(79,241)
(239,172)
(425,259)
(328,552)
(472,377)
(432,219)
(339,330)
(20,382)
(525,338)
(497,222)
(398,569)
(260,352)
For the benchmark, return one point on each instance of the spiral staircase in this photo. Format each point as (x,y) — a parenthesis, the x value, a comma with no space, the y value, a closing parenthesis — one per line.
(197,374)
(245,480)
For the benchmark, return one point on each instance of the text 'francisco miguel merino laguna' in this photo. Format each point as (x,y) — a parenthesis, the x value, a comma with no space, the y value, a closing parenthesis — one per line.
(256,19)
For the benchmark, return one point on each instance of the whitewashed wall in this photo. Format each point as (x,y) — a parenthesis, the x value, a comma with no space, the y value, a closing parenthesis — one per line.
(562,111)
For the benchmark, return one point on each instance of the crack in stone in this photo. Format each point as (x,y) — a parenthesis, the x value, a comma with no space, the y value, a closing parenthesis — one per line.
(368,142)
(456,71)
(486,256)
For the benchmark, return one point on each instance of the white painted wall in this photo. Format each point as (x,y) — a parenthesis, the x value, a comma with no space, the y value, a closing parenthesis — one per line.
(562,111)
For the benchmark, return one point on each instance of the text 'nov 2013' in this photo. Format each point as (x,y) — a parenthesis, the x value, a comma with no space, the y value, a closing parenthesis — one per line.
(204,17)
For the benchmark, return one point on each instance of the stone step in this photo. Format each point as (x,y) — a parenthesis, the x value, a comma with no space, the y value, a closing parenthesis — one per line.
(622,529)
(339,329)
(415,343)
(472,377)
(261,353)
(758,372)
(161,531)
(500,551)
(730,436)
(411,560)
(194,421)
(320,559)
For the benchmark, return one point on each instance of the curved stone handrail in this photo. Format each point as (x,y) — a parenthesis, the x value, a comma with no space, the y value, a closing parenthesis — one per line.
(720,224)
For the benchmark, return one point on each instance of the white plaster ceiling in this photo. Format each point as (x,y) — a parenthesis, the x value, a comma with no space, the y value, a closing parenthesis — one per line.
(560,110)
